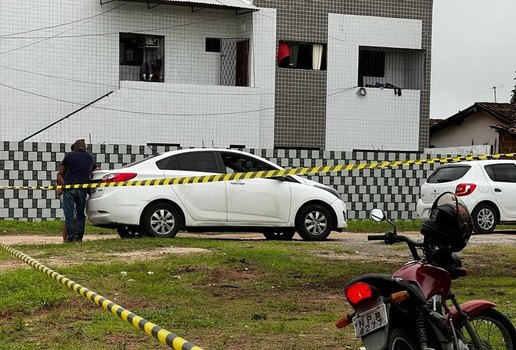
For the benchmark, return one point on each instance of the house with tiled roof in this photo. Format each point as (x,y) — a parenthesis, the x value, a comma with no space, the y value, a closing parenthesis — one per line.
(483,123)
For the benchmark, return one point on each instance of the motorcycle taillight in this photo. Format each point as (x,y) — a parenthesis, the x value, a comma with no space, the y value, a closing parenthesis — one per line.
(359,292)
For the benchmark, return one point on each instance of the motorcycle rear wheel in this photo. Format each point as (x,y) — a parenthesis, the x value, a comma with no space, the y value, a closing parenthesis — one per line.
(494,329)
(399,340)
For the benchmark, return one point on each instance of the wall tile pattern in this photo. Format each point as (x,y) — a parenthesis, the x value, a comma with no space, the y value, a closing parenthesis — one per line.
(395,190)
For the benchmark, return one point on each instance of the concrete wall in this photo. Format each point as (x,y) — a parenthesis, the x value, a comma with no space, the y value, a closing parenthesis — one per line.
(395,190)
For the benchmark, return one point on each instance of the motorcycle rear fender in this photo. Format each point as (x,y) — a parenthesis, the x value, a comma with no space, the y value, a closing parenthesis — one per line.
(387,285)
(376,340)
(472,308)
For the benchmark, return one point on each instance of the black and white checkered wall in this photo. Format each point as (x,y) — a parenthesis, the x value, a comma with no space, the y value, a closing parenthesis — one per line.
(395,190)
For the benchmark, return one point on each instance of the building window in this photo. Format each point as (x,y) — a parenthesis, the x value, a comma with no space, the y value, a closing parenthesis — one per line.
(141,57)
(212,45)
(370,64)
(390,68)
(301,55)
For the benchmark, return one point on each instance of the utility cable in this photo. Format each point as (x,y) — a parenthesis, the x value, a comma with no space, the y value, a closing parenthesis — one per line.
(113,86)
(61,24)
(58,34)
(182,114)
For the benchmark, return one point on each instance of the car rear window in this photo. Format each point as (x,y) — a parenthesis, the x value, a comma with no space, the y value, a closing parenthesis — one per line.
(194,161)
(447,174)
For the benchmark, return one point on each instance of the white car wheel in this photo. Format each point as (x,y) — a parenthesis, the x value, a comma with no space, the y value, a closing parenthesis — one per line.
(314,223)
(484,218)
(161,220)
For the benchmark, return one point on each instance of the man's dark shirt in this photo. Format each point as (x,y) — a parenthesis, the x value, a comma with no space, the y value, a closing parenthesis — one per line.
(78,167)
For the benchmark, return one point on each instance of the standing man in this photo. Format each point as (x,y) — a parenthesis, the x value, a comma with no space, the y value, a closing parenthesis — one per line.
(75,168)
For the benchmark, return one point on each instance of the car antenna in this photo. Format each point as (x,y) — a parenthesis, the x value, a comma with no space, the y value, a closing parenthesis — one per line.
(202,143)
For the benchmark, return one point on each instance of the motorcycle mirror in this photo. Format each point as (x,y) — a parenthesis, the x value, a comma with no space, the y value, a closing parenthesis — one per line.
(377,215)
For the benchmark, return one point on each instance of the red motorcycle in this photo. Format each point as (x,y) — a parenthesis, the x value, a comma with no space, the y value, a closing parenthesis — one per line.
(410,310)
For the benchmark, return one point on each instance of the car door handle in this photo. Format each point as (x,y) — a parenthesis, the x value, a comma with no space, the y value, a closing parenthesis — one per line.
(237,182)
(497,190)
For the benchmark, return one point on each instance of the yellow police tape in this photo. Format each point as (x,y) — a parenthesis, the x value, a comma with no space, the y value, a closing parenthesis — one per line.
(162,335)
(265,174)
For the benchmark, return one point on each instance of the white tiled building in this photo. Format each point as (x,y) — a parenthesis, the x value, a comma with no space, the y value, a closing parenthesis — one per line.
(210,75)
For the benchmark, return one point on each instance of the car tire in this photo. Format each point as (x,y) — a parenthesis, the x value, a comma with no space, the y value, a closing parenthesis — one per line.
(284,234)
(314,223)
(129,231)
(161,220)
(485,218)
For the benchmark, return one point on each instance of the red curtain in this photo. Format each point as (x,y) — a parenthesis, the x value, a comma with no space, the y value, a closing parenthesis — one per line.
(283,50)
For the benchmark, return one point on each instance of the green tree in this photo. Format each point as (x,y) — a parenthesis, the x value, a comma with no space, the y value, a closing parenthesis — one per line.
(513,97)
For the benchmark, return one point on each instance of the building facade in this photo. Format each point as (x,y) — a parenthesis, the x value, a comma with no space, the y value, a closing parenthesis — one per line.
(321,75)
(383,46)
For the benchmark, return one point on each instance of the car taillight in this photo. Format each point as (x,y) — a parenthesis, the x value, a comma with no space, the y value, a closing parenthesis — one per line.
(118,177)
(464,189)
(359,292)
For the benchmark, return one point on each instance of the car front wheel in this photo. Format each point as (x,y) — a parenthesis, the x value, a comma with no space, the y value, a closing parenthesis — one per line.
(314,223)
(161,220)
(484,218)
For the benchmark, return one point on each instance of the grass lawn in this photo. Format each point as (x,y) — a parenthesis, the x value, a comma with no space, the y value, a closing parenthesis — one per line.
(230,294)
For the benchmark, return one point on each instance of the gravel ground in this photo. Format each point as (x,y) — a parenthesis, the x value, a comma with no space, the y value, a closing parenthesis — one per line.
(498,237)
(356,245)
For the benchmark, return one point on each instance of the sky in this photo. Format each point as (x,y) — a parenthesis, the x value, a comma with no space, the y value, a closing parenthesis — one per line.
(473,50)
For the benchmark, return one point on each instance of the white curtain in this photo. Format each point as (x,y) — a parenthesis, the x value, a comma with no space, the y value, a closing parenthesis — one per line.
(317,50)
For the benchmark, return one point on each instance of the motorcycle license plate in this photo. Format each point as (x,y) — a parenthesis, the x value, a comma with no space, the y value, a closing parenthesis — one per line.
(370,320)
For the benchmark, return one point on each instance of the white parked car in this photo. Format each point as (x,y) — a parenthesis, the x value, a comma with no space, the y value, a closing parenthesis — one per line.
(487,187)
(278,207)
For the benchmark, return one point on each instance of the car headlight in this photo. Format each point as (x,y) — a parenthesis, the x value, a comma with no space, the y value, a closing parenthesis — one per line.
(331,190)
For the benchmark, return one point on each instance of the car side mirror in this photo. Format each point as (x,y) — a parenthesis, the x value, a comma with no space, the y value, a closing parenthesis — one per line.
(377,215)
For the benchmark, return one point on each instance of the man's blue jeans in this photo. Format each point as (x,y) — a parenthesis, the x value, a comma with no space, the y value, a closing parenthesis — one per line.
(74,200)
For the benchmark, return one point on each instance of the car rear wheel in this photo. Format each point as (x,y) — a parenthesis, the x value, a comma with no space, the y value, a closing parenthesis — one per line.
(161,220)
(284,234)
(314,223)
(484,218)
(128,231)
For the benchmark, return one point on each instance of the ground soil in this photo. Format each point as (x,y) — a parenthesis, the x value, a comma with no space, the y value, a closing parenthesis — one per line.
(357,244)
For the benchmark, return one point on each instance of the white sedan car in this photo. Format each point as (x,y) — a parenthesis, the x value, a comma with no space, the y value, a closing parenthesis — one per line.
(278,207)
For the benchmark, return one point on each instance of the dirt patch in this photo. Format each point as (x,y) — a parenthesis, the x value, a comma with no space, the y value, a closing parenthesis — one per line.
(360,249)
(41,239)
(99,257)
